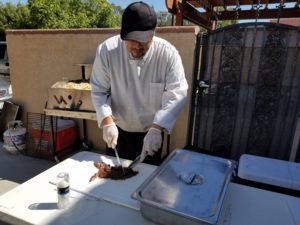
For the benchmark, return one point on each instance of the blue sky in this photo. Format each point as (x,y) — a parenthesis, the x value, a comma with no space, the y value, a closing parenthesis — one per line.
(13,1)
(159,5)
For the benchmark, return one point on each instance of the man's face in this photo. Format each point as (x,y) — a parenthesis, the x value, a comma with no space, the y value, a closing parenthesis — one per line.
(137,49)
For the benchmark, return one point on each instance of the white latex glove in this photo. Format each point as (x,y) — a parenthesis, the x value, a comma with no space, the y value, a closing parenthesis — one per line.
(110,135)
(152,142)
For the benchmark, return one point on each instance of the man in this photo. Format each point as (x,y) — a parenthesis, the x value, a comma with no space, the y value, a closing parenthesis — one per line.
(138,86)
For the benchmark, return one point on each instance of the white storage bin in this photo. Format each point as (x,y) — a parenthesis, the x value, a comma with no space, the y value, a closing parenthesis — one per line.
(269,171)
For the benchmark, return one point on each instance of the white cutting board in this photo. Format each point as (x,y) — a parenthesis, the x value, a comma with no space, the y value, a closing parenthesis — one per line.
(115,191)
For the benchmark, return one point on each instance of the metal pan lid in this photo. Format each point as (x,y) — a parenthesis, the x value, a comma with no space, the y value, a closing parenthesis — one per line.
(188,183)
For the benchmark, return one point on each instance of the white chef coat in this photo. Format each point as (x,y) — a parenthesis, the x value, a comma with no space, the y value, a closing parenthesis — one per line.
(140,92)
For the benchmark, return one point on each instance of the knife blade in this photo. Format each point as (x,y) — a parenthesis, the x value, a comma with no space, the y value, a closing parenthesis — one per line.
(118,159)
(134,162)
(117,156)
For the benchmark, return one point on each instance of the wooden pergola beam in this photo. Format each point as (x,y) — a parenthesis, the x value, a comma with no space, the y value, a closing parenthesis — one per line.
(263,14)
(220,3)
(189,10)
(202,4)
(191,14)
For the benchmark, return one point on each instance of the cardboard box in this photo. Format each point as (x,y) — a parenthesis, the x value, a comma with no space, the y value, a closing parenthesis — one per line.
(70,96)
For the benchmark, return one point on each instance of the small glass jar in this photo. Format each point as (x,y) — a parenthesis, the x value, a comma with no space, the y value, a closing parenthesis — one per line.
(63,190)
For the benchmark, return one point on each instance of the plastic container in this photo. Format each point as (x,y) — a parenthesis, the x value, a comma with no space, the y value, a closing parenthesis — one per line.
(63,190)
(269,171)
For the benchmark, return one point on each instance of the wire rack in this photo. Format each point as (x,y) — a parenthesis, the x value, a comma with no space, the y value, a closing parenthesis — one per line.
(41,130)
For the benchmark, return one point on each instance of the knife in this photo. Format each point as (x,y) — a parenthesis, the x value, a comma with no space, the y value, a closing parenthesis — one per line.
(134,162)
(117,156)
(118,159)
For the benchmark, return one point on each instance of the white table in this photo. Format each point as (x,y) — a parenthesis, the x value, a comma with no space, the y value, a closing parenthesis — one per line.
(34,202)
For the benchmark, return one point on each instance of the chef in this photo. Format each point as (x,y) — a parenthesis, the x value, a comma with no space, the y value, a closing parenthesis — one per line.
(138,87)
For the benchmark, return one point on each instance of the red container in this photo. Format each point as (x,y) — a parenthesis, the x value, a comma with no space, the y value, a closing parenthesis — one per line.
(66,135)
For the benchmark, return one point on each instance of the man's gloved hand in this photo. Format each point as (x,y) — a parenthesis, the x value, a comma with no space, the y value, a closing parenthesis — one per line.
(110,135)
(152,142)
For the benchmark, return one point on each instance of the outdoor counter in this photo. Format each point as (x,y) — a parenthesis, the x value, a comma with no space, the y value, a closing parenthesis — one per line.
(109,202)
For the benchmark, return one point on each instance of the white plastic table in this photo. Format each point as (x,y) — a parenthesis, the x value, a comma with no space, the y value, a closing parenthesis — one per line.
(34,202)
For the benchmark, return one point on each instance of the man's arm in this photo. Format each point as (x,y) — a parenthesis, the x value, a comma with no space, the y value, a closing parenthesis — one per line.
(175,94)
(100,83)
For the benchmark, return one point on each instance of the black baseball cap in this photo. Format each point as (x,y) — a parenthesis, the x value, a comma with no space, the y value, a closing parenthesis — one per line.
(138,22)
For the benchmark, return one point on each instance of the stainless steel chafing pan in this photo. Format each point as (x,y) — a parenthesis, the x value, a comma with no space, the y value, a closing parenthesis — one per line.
(188,188)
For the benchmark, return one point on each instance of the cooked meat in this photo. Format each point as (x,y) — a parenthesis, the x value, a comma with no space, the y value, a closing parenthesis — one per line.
(112,172)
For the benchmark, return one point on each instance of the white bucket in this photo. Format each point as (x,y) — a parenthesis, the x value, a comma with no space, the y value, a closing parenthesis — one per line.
(14,137)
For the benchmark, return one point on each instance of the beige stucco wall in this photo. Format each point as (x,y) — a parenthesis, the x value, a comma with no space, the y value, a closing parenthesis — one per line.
(39,58)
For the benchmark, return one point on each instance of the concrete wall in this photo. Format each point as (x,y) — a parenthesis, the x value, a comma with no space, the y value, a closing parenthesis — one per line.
(39,58)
